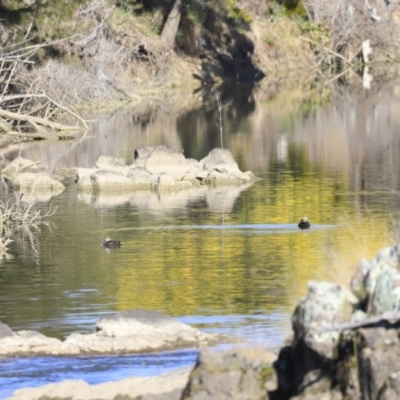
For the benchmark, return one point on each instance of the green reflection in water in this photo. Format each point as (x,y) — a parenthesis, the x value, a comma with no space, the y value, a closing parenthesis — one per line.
(62,282)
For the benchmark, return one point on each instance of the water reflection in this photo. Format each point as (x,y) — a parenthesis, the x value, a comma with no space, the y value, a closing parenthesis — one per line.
(39,371)
(216,257)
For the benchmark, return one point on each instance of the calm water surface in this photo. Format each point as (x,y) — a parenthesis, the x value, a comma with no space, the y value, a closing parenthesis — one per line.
(223,260)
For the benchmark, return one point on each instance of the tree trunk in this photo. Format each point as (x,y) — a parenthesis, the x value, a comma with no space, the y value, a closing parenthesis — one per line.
(170,29)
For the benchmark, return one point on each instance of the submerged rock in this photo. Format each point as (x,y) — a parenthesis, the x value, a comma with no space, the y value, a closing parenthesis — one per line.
(134,331)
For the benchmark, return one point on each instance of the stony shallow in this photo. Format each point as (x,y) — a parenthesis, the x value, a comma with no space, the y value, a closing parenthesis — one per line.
(345,345)
(134,331)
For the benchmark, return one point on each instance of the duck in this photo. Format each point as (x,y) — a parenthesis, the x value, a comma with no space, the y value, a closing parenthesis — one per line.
(304,224)
(111,244)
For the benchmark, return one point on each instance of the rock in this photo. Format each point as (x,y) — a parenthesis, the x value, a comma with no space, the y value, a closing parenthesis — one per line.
(161,169)
(140,177)
(110,163)
(160,160)
(218,157)
(165,183)
(143,151)
(110,181)
(222,169)
(126,332)
(31,183)
(30,180)
(242,373)
(167,386)
(19,165)
(380,362)
(65,175)
(33,343)
(201,175)
(376,283)
(326,304)
(83,172)
(85,184)
(5,331)
(319,365)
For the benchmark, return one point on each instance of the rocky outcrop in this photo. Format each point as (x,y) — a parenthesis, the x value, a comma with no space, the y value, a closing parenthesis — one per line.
(346,345)
(161,169)
(134,331)
(28,179)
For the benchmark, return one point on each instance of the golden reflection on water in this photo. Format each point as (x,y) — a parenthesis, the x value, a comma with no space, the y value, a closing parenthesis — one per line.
(238,270)
(335,162)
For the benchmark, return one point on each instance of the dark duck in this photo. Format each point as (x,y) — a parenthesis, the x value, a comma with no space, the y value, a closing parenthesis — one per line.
(304,224)
(111,244)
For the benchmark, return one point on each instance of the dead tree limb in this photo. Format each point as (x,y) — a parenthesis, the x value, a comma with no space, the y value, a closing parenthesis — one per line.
(390,316)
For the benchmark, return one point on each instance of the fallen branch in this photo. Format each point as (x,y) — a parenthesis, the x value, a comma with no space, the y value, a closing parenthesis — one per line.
(327,50)
(391,317)
(39,121)
(25,96)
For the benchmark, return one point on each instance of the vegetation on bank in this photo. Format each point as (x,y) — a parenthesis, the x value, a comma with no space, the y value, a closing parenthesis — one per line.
(66,57)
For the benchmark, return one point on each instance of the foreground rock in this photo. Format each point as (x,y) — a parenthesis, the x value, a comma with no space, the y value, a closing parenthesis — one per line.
(242,373)
(346,345)
(135,331)
(161,169)
(167,386)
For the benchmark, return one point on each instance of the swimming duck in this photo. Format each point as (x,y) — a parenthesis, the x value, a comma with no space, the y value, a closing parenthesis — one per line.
(304,224)
(111,244)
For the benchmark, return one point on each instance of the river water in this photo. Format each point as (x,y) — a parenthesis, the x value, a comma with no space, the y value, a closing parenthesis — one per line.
(223,260)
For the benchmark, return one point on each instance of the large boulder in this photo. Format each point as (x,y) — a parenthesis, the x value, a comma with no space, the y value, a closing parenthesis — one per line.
(236,374)
(347,346)
(376,282)
(222,169)
(379,361)
(159,160)
(317,362)
(111,163)
(325,305)
(140,177)
(110,181)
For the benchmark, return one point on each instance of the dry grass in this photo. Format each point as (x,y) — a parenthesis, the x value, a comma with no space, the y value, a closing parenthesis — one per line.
(352,22)
(357,242)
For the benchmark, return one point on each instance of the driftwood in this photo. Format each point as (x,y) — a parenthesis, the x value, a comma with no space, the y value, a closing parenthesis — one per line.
(390,317)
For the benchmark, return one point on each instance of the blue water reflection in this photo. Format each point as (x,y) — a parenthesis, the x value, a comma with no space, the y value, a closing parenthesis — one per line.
(20,372)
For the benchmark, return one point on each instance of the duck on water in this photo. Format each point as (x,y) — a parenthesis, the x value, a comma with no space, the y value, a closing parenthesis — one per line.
(111,244)
(304,224)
